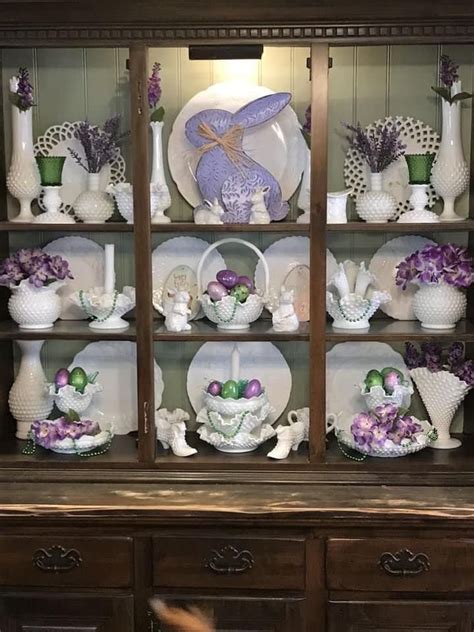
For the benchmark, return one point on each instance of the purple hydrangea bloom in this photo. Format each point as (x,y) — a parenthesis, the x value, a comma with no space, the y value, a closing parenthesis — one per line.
(432,353)
(379,146)
(35,265)
(413,358)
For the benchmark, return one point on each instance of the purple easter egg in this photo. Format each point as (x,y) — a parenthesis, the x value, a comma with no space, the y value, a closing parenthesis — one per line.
(61,378)
(228,278)
(216,290)
(214,388)
(391,380)
(244,280)
(253,389)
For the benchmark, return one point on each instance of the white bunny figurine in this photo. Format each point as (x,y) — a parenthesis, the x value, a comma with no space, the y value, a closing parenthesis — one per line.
(171,431)
(258,212)
(210,215)
(176,314)
(284,317)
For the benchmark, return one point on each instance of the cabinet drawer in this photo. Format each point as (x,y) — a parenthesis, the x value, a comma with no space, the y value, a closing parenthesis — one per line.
(237,562)
(65,561)
(400,565)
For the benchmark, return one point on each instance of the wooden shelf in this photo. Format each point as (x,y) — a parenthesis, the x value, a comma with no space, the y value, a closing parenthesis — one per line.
(65,330)
(205,330)
(191,227)
(401,330)
(395,227)
(108,227)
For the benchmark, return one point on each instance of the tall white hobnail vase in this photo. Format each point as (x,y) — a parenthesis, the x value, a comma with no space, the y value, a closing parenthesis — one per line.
(439,306)
(35,307)
(376,205)
(29,399)
(23,179)
(441,392)
(94,206)
(158,175)
(450,174)
(304,197)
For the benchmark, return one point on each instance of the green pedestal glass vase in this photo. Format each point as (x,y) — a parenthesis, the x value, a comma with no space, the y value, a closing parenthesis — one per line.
(51,170)
(419,167)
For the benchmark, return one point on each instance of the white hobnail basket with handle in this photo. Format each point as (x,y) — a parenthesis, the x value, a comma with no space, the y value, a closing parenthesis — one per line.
(229,313)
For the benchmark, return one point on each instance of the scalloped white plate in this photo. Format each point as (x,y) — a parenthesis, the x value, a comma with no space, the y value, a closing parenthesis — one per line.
(55,142)
(116,363)
(86,262)
(278,145)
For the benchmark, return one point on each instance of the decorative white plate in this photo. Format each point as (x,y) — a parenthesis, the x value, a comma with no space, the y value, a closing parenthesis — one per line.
(419,139)
(347,364)
(288,263)
(383,266)
(175,263)
(55,142)
(278,146)
(116,362)
(261,360)
(86,262)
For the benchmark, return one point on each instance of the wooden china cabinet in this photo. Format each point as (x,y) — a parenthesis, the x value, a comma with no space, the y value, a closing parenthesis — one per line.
(312,543)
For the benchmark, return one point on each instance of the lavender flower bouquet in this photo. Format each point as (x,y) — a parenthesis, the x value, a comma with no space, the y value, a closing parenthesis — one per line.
(33,277)
(385,432)
(449,78)
(68,436)
(443,379)
(154,94)
(442,272)
(21,90)
(433,264)
(378,146)
(100,144)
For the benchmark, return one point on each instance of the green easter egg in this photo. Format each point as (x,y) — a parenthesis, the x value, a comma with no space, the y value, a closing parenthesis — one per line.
(390,369)
(240,292)
(230,390)
(373,378)
(242,386)
(78,379)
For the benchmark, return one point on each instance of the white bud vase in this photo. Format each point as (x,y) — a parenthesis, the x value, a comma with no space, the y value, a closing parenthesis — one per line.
(162,201)
(376,205)
(29,399)
(23,180)
(94,206)
(441,392)
(450,174)
(439,306)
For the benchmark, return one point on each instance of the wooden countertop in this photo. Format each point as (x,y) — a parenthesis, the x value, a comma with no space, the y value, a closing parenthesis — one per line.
(269,504)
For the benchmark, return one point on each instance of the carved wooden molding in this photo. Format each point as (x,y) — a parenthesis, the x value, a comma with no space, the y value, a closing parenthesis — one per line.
(404,563)
(454,31)
(230,561)
(56,559)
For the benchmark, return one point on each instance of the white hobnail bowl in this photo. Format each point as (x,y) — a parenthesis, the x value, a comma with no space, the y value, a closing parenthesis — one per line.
(35,308)
(123,194)
(234,406)
(243,442)
(229,313)
(68,398)
(439,306)
(401,396)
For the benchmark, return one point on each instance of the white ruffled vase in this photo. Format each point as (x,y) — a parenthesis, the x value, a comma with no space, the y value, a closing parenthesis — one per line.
(450,174)
(94,206)
(376,205)
(35,307)
(441,392)
(29,399)
(158,175)
(439,306)
(23,180)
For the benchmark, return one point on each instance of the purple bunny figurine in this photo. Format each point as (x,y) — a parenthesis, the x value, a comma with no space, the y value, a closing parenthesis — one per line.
(224,170)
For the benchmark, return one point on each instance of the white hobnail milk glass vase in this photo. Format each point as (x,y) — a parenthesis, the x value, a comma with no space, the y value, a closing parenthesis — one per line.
(94,206)
(439,306)
(441,392)
(23,180)
(450,174)
(29,399)
(376,205)
(35,307)
(158,181)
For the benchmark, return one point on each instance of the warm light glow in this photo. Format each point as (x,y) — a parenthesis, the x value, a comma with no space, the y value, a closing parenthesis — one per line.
(236,70)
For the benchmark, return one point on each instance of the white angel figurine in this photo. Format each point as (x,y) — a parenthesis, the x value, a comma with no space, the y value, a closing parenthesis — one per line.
(283,313)
(171,431)
(176,313)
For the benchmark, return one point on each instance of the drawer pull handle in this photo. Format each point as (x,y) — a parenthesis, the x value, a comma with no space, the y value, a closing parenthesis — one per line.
(56,559)
(404,563)
(229,560)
